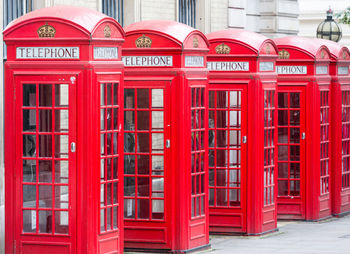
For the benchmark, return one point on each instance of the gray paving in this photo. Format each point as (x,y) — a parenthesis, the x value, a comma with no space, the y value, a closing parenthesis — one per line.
(326,237)
(330,236)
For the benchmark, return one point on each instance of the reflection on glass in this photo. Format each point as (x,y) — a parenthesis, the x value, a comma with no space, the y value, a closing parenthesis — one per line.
(294,153)
(129,186)
(294,170)
(61,95)
(45,95)
(45,196)
(61,120)
(143,98)
(102,220)
(158,209)
(29,120)
(29,171)
(157,165)
(157,98)
(29,196)
(61,222)
(157,120)
(61,197)
(61,171)
(283,135)
(129,208)
(29,145)
(283,170)
(61,146)
(294,135)
(158,187)
(45,145)
(129,120)
(157,142)
(45,171)
(294,117)
(29,95)
(129,98)
(129,164)
(45,221)
(29,221)
(283,153)
(142,120)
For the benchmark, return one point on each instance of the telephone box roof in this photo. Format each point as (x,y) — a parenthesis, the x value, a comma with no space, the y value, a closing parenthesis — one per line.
(250,39)
(308,45)
(84,17)
(335,49)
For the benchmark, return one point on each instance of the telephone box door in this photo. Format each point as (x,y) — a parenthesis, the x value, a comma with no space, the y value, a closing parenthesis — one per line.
(45,164)
(227,157)
(146,162)
(291,152)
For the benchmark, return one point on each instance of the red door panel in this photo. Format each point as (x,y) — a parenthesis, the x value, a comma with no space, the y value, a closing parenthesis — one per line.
(46,163)
(146,117)
(227,159)
(291,153)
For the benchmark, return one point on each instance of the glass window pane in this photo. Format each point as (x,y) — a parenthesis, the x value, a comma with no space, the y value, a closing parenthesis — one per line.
(29,221)
(61,197)
(102,220)
(283,117)
(29,120)
(61,171)
(129,98)
(221,99)
(103,94)
(142,120)
(29,145)
(211,99)
(129,120)
(295,100)
(294,135)
(109,218)
(157,142)
(283,135)
(109,94)
(283,170)
(158,209)
(157,120)
(115,119)
(283,188)
(45,95)
(157,98)
(129,164)
(221,197)
(221,138)
(61,222)
(294,117)
(45,221)
(283,100)
(129,186)
(221,177)
(143,98)
(45,145)
(45,196)
(157,187)
(143,208)
(143,142)
(294,153)
(157,165)
(115,93)
(129,208)
(115,217)
(29,196)
(29,95)
(143,186)
(29,171)
(294,188)
(45,120)
(45,171)
(143,164)
(61,95)
(294,170)
(61,120)
(221,119)
(283,153)
(61,146)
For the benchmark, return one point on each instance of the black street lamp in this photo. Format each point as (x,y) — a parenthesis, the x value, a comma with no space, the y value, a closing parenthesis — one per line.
(329,29)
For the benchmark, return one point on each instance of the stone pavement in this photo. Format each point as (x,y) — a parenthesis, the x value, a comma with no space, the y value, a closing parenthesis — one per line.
(330,236)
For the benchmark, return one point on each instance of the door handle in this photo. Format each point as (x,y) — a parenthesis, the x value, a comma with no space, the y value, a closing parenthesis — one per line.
(244,139)
(167,143)
(303,135)
(72,147)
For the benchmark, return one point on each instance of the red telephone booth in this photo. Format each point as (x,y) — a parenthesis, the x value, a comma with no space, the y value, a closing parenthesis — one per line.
(340,120)
(303,142)
(165,123)
(63,138)
(242,89)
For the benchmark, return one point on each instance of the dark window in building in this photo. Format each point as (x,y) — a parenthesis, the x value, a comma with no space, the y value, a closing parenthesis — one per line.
(114,9)
(14,9)
(187,12)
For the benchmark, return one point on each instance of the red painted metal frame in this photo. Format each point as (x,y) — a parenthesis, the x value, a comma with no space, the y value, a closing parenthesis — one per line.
(340,92)
(179,232)
(257,212)
(83,75)
(299,51)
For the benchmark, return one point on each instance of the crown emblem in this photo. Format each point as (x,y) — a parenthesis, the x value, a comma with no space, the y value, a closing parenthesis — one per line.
(283,54)
(195,42)
(344,55)
(107,31)
(46,31)
(222,49)
(143,42)
(322,54)
(268,49)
